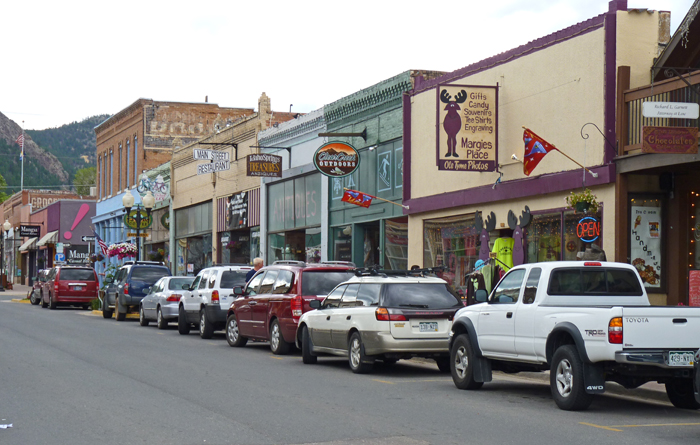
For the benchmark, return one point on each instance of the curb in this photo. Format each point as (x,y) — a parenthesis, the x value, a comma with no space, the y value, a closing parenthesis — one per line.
(129,315)
(18,300)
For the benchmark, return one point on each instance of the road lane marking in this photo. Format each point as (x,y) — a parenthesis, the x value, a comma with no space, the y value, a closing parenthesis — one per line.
(600,426)
(277,358)
(384,381)
(413,381)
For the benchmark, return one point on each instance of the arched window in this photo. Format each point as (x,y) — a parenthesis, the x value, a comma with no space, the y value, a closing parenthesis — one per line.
(136,160)
(128,161)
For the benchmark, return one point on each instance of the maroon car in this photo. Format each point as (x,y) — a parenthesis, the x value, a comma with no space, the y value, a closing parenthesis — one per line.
(269,306)
(70,285)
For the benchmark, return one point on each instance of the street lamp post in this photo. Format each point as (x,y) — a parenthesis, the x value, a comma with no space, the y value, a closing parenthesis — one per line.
(5,228)
(148,203)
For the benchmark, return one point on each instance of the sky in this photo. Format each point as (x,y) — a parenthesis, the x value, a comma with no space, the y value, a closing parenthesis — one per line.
(68,60)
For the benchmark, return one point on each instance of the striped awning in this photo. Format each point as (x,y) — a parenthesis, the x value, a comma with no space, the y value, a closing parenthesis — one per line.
(49,238)
(24,247)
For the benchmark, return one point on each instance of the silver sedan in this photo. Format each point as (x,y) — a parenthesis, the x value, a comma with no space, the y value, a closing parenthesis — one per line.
(161,302)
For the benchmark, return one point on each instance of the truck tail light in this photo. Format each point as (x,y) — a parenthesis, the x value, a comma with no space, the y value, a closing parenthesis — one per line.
(383,314)
(592,263)
(215,297)
(297,307)
(615,331)
(174,297)
(126,289)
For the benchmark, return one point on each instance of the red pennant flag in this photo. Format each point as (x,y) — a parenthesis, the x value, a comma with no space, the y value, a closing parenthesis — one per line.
(535,149)
(357,198)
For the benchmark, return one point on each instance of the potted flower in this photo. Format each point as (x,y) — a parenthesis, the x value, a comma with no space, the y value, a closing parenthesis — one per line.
(583,201)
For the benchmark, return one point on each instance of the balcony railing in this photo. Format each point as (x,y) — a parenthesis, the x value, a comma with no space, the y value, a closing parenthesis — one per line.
(631,121)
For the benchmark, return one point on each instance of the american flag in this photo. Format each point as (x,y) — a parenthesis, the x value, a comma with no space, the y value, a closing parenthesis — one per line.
(20,141)
(102,244)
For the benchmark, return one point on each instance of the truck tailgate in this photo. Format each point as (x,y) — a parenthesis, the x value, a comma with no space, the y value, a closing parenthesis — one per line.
(661,327)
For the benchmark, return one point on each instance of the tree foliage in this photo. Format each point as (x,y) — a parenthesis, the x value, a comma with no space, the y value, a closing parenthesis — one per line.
(84,179)
(3,188)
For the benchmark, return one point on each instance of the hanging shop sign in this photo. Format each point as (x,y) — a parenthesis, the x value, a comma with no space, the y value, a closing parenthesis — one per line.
(267,166)
(683,140)
(30,231)
(237,211)
(158,187)
(336,159)
(588,229)
(467,130)
(130,219)
(165,220)
(673,110)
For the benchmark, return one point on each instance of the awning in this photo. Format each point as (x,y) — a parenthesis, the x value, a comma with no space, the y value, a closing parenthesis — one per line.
(24,247)
(48,238)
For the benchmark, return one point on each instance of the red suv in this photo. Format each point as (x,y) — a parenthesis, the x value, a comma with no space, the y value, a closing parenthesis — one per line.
(70,285)
(268,307)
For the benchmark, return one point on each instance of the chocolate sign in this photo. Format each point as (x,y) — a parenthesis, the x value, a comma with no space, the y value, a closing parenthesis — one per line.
(336,159)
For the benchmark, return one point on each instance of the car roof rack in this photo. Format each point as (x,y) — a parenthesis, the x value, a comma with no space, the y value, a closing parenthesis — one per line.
(232,264)
(375,271)
(159,263)
(338,263)
(289,263)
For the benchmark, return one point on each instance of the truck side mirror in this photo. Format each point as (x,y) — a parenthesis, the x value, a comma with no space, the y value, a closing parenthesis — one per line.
(315,304)
(481,296)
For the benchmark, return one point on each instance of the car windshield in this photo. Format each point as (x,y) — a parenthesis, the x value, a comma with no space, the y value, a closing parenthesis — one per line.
(321,282)
(419,295)
(77,274)
(176,283)
(231,278)
(149,274)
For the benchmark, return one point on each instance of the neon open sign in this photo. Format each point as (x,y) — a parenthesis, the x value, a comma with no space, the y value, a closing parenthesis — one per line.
(588,229)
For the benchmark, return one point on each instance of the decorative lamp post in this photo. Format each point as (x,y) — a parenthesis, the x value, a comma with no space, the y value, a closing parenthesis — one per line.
(148,202)
(5,228)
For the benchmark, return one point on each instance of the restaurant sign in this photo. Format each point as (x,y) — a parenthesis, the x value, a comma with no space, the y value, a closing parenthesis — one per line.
(30,231)
(336,159)
(676,140)
(268,166)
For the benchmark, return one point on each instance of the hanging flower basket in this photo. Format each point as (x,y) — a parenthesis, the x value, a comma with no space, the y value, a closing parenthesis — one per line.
(121,250)
(583,202)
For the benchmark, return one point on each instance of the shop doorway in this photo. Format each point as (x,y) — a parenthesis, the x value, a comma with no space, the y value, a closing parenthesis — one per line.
(366,246)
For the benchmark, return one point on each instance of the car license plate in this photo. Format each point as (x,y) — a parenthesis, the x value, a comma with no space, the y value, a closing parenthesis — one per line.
(428,326)
(681,358)
(77,287)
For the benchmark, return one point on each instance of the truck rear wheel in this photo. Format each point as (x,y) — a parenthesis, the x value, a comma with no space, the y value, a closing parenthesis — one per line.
(680,392)
(566,380)
(462,360)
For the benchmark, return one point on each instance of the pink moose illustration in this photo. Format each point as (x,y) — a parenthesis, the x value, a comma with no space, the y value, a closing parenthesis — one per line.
(452,123)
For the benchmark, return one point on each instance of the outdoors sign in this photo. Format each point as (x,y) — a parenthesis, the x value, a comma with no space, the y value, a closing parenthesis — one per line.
(30,231)
(237,211)
(674,110)
(336,159)
(467,130)
(683,140)
(269,166)
(130,219)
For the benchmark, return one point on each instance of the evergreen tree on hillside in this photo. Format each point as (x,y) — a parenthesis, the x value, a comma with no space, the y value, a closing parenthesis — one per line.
(3,188)
(84,179)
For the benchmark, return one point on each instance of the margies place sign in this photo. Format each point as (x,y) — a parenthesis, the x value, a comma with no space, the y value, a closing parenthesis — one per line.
(218,161)
(336,159)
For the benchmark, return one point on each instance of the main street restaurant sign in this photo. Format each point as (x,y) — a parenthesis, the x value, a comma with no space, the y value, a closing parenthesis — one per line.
(683,140)
(218,161)
(267,166)
(467,130)
(336,159)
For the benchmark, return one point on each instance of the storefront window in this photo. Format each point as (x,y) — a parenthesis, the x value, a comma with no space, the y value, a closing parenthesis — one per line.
(396,244)
(313,245)
(342,243)
(561,235)
(645,240)
(453,243)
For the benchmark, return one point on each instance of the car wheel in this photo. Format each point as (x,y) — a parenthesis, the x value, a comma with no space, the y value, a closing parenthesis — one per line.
(33,299)
(306,347)
(359,362)
(462,359)
(182,326)
(120,316)
(52,303)
(277,343)
(566,380)
(443,364)
(206,330)
(160,321)
(681,393)
(43,303)
(142,317)
(233,335)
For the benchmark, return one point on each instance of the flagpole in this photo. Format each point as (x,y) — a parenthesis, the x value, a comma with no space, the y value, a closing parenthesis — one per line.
(595,175)
(381,199)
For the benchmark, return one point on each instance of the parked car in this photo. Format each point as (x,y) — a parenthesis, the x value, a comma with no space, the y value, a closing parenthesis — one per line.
(587,322)
(211,294)
(37,285)
(269,306)
(129,285)
(70,285)
(161,302)
(385,317)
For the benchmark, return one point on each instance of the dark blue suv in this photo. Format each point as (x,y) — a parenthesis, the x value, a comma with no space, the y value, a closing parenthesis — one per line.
(128,287)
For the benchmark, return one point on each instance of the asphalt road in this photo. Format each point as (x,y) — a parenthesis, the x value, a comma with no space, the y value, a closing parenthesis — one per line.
(70,377)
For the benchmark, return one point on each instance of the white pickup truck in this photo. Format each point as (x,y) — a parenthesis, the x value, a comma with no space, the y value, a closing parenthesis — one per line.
(585,322)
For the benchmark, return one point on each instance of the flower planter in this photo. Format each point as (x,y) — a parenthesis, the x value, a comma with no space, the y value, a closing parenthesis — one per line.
(582,207)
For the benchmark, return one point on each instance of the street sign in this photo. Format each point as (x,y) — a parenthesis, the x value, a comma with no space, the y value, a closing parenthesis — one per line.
(213,167)
(210,155)
(142,235)
(59,258)
(59,248)
(88,239)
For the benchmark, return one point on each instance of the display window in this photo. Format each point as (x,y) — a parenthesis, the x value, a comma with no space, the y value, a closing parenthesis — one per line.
(561,235)
(297,245)
(396,244)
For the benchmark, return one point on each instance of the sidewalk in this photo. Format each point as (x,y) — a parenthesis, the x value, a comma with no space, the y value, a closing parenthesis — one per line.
(17,291)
